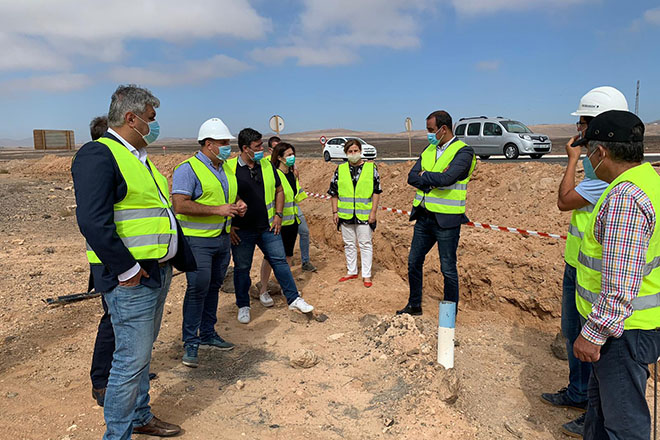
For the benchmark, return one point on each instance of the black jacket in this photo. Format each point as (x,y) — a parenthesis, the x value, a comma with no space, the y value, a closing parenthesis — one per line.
(99,185)
(458,169)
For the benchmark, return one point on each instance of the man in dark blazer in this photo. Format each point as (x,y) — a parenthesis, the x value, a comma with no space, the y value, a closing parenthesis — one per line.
(133,240)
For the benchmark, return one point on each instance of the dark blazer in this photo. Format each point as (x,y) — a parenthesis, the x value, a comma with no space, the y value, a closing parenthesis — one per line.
(458,169)
(99,185)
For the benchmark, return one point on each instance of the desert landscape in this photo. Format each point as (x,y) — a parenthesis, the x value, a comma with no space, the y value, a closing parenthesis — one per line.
(354,372)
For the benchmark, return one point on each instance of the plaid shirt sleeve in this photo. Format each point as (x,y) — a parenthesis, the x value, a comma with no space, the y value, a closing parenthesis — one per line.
(624,226)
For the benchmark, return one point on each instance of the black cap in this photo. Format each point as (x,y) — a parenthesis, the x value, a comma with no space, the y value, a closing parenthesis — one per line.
(613,126)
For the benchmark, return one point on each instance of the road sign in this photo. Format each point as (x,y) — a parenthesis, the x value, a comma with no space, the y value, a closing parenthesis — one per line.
(408,124)
(276,124)
(409,130)
(323,140)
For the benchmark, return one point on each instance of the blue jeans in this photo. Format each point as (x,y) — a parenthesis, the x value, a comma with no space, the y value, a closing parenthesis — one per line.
(426,234)
(136,313)
(303,231)
(578,371)
(617,388)
(273,250)
(200,304)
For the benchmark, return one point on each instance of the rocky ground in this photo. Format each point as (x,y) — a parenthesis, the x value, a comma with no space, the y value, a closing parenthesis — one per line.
(359,374)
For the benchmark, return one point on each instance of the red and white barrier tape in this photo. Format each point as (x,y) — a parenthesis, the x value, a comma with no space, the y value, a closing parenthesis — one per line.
(471,224)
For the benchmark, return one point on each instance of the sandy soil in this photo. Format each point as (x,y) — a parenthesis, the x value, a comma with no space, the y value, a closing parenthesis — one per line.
(375,376)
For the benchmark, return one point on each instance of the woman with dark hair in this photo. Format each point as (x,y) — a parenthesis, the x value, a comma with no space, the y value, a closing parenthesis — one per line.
(355,191)
(283,160)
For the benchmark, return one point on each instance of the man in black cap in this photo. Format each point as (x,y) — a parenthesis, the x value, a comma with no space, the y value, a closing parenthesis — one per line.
(618,280)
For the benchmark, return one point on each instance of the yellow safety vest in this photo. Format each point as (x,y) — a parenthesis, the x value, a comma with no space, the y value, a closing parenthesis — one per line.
(212,195)
(579,222)
(355,199)
(268,176)
(646,306)
(449,199)
(290,213)
(141,217)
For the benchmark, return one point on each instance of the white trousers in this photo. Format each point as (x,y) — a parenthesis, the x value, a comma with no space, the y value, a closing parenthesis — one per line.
(357,235)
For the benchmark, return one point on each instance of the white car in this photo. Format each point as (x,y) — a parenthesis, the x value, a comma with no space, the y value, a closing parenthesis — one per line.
(334,149)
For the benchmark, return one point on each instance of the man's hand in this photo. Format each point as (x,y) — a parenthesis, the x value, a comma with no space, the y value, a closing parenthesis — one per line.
(227,210)
(277,225)
(372,217)
(131,282)
(586,351)
(242,207)
(335,218)
(420,173)
(233,236)
(573,152)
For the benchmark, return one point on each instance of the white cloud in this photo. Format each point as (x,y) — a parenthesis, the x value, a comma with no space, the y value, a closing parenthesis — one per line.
(66,29)
(488,65)
(652,16)
(332,32)
(63,82)
(192,71)
(476,7)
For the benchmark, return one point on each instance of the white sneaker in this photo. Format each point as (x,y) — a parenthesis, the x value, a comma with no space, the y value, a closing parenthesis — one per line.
(301,305)
(266,300)
(244,315)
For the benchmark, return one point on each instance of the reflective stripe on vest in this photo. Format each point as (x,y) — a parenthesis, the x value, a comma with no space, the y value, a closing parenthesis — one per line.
(290,212)
(212,195)
(646,305)
(579,220)
(449,199)
(141,218)
(355,200)
(268,177)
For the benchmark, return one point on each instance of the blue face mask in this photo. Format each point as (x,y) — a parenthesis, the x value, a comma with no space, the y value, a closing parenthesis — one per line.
(258,156)
(432,139)
(224,152)
(290,161)
(154,131)
(589,171)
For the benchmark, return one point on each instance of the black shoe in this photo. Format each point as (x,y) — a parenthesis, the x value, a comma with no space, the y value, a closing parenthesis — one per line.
(98,394)
(152,376)
(410,310)
(574,428)
(562,400)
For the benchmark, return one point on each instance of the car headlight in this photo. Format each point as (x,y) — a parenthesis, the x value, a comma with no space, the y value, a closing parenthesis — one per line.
(525,137)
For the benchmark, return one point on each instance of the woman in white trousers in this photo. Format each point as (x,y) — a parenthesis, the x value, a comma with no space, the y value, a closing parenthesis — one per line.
(355,191)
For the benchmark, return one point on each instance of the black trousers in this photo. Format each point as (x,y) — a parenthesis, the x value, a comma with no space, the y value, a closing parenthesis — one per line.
(104,347)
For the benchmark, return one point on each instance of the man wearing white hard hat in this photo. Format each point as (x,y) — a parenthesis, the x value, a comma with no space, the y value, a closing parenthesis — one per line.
(204,194)
(581,200)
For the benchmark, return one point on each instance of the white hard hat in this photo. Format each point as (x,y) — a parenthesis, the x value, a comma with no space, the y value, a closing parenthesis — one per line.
(599,100)
(215,129)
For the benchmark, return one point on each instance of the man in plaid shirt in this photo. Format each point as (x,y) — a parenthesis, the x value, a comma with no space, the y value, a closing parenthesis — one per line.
(618,280)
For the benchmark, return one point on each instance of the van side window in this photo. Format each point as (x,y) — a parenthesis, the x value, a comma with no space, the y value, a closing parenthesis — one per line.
(491,129)
(460,130)
(473,129)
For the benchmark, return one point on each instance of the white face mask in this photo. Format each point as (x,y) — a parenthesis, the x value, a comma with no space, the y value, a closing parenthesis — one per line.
(354,158)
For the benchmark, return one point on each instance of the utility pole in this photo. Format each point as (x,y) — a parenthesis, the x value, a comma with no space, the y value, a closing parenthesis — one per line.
(637,99)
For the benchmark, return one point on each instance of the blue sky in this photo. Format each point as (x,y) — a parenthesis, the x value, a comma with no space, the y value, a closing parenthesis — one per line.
(356,64)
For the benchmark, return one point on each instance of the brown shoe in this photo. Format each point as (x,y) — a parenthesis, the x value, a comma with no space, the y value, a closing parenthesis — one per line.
(158,428)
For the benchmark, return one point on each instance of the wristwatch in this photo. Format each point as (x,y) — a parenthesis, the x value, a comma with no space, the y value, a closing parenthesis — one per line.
(279,214)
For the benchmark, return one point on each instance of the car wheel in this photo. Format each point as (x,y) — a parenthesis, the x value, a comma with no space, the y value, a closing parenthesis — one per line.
(511,151)
(536,156)
(484,156)
(326,156)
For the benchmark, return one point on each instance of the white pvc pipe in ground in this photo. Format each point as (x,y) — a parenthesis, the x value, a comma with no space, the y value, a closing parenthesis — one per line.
(446,324)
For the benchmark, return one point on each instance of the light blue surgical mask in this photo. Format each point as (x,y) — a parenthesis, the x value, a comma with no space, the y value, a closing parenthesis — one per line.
(290,161)
(224,152)
(154,131)
(432,139)
(589,171)
(258,156)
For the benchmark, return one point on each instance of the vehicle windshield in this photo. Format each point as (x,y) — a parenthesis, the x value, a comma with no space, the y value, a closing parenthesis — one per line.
(357,139)
(515,127)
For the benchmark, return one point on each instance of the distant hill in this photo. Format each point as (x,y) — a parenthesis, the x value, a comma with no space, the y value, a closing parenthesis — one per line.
(13,143)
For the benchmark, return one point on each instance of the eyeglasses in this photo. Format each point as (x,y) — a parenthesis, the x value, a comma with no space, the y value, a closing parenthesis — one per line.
(579,124)
(255,173)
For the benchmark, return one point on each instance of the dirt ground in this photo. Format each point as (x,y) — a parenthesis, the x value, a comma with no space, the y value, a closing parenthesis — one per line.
(375,376)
